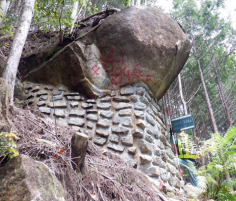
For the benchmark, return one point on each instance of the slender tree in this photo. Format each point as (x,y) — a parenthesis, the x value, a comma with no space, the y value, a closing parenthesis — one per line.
(10,71)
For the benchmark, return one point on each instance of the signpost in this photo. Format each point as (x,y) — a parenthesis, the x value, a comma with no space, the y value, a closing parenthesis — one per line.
(182,123)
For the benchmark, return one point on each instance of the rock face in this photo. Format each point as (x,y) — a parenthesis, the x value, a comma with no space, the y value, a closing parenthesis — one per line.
(23,179)
(136,44)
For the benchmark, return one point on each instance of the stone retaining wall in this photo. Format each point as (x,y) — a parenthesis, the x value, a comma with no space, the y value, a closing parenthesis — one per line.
(128,122)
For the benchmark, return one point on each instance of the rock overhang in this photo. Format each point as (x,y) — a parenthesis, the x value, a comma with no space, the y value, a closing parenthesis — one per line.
(136,44)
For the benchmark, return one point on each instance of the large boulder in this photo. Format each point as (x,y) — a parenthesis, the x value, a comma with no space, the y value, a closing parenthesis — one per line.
(23,179)
(136,44)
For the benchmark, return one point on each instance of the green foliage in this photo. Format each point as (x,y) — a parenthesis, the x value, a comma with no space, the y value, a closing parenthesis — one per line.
(222,163)
(126,3)
(7,145)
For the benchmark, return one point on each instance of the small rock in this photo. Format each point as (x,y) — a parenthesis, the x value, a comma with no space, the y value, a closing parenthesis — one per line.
(150,120)
(78,98)
(90,124)
(159,162)
(126,122)
(94,111)
(35,88)
(149,138)
(140,91)
(44,97)
(48,87)
(91,101)
(144,147)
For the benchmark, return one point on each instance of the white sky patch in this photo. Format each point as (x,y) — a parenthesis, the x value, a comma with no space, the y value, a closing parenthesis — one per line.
(228,12)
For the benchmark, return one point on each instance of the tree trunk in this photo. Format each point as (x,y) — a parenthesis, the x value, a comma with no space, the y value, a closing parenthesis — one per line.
(138,2)
(181,95)
(209,107)
(223,100)
(10,71)
(4,5)
(74,15)
(132,3)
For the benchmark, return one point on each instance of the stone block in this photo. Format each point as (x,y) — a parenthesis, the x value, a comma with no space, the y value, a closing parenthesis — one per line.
(41,103)
(35,88)
(126,122)
(29,86)
(120,99)
(105,123)
(91,101)
(77,112)
(145,159)
(144,147)
(139,114)
(104,106)
(141,124)
(56,98)
(137,133)
(49,87)
(119,130)
(128,140)
(87,105)
(107,114)
(153,171)
(105,99)
(150,120)
(76,121)
(116,120)
(99,141)
(92,117)
(93,111)
(90,124)
(59,113)
(46,110)
(149,138)
(159,144)
(139,106)
(171,168)
(170,153)
(140,91)
(134,98)
(79,143)
(42,92)
(75,98)
(103,133)
(74,104)
(56,93)
(121,106)
(131,162)
(115,147)
(132,150)
(44,97)
(23,178)
(159,162)
(71,94)
(114,138)
(128,90)
(75,128)
(126,112)
(144,100)
(164,175)
(61,104)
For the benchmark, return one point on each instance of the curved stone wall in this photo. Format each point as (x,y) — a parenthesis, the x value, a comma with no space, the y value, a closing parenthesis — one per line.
(128,122)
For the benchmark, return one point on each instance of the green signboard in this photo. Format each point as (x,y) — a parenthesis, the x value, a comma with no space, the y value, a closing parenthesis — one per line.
(182,123)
